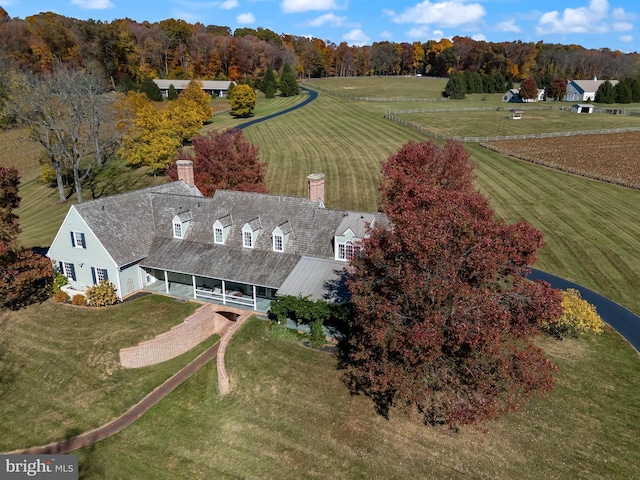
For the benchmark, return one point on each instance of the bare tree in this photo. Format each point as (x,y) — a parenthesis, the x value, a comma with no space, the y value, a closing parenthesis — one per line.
(72,115)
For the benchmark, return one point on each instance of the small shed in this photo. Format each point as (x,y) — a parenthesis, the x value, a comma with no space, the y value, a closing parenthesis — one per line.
(582,108)
(515,114)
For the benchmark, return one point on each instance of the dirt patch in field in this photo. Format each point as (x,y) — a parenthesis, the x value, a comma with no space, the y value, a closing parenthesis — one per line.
(609,157)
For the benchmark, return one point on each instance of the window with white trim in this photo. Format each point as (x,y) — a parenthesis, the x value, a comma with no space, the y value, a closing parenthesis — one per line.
(346,250)
(68,270)
(247,239)
(218,235)
(77,240)
(278,243)
(177,230)
(101,275)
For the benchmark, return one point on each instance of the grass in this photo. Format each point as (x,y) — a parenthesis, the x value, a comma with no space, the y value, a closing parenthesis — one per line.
(289,416)
(21,153)
(497,123)
(377,87)
(60,371)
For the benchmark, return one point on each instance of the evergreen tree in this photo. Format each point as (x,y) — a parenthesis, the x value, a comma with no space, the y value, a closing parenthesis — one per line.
(269,84)
(151,90)
(456,87)
(288,83)
(605,93)
(172,93)
(622,92)
(126,84)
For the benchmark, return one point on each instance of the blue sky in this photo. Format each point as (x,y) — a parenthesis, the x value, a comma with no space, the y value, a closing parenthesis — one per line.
(590,23)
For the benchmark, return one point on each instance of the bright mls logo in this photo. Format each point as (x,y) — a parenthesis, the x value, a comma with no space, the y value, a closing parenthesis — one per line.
(50,467)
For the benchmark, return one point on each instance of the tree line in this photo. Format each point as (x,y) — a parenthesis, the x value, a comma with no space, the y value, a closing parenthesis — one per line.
(177,49)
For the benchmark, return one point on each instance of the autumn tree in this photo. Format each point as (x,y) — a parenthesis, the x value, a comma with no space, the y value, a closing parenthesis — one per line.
(578,317)
(444,317)
(242,100)
(200,100)
(288,84)
(557,89)
(529,89)
(71,115)
(224,160)
(25,276)
(269,84)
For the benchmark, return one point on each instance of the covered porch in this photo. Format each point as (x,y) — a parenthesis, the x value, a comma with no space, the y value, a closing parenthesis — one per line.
(213,290)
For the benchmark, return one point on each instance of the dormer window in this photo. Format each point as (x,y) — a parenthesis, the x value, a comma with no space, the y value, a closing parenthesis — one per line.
(221,229)
(180,224)
(347,245)
(280,236)
(346,251)
(250,232)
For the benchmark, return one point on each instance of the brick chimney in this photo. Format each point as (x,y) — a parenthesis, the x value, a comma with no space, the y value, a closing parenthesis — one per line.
(185,171)
(315,181)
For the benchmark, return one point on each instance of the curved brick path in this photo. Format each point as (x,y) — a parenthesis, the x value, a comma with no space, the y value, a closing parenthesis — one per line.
(135,412)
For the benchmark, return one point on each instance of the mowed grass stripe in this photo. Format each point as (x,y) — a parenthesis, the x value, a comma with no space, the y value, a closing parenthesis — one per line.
(589,226)
(338,138)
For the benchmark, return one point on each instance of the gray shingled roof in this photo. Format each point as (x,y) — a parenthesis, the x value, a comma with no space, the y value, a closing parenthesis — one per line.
(262,268)
(591,85)
(124,223)
(139,225)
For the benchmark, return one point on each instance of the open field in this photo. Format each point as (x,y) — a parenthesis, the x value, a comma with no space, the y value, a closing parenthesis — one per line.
(382,87)
(289,416)
(611,157)
(497,123)
(60,369)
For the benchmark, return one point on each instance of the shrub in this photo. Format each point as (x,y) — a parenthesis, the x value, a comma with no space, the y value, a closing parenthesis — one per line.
(59,281)
(318,337)
(578,317)
(79,300)
(102,295)
(61,296)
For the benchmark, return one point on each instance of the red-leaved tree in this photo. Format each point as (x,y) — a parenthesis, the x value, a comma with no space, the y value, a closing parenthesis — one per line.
(443,315)
(25,277)
(223,160)
(529,89)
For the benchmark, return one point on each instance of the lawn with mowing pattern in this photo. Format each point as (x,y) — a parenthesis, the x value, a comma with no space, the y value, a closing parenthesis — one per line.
(289,416)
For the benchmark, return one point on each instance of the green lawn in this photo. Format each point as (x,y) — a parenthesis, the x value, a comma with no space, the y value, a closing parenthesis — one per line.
(289,416)
(387,87)
(497,122)
(60,371)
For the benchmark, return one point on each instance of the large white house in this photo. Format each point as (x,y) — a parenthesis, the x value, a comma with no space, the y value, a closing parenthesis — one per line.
(584,90)
(238,248)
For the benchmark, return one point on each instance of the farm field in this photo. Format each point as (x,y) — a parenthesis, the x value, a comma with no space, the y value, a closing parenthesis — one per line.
(497,123)
(611,157)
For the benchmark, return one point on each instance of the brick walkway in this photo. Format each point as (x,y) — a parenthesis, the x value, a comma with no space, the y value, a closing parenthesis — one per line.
(135,412)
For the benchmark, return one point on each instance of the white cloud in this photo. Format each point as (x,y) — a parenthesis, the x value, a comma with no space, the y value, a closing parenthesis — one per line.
(229,4)
(93,4)
(576,20)
(446,14)
(295,6)
(245,18)
(386,34)
(418,33)
(437,35)
(329,18)
(622,26)
(356,37)
(479,37)
(508,26)
(626,38)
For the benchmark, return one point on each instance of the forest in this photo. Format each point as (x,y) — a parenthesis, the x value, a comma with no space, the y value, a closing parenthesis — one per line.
(176,49)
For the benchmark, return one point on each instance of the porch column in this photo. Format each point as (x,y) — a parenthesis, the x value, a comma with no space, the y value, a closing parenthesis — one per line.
(255,299)
(166,282)
(224,293)
(193,280)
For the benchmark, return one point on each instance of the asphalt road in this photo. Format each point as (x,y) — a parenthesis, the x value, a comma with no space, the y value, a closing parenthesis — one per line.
(624,321)
(312,96)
